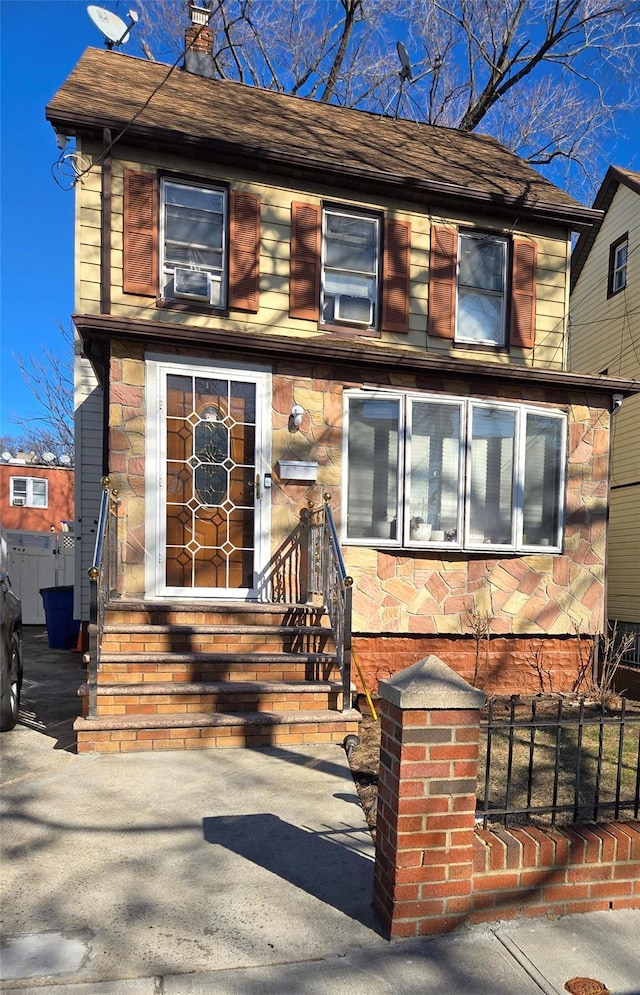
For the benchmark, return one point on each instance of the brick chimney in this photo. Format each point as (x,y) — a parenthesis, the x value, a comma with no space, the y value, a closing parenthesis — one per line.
(199,36)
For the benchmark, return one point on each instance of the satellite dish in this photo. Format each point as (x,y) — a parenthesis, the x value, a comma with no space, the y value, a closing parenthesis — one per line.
(6,455)
(405,72)
(48,457)
(65,458)
(112,27)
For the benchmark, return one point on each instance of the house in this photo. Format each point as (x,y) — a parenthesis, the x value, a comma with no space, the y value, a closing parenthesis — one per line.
(279,300)
(36,520)
(604,339)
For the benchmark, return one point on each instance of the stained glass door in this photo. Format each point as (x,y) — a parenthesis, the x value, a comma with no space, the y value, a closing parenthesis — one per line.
(210,463)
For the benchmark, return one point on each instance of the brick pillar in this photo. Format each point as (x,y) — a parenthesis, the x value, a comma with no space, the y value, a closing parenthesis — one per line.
(430,720)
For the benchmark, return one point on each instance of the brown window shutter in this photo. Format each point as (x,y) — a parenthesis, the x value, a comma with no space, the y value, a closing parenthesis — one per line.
(443,258)
(523,294)
(304,284)
(244,259)
(396,276)
(141,248)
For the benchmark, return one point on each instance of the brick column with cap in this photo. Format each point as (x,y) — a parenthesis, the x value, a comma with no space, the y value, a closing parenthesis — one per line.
(430,721)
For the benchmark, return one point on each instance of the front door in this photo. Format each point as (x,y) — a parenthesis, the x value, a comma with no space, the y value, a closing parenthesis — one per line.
(206,462)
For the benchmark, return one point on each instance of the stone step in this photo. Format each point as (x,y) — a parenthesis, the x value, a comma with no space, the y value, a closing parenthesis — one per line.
(124,637)
(195,613)
(166,666)
(198,730)
(214,696)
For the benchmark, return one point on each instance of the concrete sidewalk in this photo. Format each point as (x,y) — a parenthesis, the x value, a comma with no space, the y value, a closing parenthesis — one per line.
(229,871)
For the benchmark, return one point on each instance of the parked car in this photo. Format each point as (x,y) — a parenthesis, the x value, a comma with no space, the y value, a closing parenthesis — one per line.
(11,653)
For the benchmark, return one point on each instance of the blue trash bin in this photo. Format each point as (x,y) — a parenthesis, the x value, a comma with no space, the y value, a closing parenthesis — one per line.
(62,628)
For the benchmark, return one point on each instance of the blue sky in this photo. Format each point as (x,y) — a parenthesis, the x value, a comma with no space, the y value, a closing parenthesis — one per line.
(41,42)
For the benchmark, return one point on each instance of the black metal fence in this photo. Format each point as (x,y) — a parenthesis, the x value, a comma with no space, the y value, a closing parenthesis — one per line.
(630,632)
(550,761)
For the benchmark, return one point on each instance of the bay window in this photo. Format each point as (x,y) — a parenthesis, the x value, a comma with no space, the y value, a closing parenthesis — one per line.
(424,471)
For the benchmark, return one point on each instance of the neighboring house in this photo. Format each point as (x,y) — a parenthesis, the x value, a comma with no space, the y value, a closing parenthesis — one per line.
(37,520)
(605,339)
(278,299)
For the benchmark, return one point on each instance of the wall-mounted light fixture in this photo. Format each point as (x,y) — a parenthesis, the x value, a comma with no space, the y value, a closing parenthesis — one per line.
(297,414)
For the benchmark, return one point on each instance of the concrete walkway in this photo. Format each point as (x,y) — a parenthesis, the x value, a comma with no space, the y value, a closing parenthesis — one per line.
(229,871)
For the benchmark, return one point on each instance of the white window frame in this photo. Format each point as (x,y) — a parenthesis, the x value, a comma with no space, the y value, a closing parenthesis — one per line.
(218,280)
(462,540)
(503,241)
(375,275)
(28,492)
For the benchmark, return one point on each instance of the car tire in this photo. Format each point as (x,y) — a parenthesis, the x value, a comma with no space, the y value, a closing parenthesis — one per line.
(10,686)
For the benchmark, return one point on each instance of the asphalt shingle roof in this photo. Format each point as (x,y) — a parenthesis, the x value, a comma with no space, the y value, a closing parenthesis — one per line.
(164,107)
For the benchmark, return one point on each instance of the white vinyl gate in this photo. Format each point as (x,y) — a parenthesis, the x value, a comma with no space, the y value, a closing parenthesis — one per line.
(35,560)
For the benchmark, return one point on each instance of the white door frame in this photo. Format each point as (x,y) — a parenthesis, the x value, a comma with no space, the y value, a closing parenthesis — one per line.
(157,368)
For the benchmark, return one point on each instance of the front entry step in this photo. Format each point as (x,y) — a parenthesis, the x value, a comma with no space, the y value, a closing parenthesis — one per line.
(198,676)
(135,733)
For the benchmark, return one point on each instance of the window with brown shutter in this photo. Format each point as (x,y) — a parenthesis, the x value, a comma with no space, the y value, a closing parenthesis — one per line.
(304,281)
(442,281)
(523,294)
(244,273)
(141,251)
(470,286)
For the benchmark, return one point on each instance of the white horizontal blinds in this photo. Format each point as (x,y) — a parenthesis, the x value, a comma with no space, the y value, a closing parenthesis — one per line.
(490,508)
(372,484)
(542,480)
(435,465)
(350,268)
(194,234)
(481,289)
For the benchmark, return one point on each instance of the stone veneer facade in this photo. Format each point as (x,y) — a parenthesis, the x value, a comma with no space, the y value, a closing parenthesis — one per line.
(409,604)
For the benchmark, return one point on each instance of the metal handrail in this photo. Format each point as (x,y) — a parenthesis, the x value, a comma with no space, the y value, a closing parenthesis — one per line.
(328,578)
(100,585)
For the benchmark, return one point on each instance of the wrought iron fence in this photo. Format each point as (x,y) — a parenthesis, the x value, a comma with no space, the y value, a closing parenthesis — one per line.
(630,632)
(102,583)
(550,762)
(328,578)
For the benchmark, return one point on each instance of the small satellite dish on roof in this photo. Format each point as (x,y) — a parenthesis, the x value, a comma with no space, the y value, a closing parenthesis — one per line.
(48,457)
(65,459)
(112,27)
(403,55)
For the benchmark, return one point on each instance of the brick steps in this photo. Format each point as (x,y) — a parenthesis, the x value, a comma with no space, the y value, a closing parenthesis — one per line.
(198,676)
(210,696)
(133,733)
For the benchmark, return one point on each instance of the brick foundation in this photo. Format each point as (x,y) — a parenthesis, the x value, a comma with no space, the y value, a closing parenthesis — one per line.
(500,665)
(434,869)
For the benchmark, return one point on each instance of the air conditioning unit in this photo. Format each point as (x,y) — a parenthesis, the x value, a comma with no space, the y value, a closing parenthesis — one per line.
(353,310)
(191,284)
(18,502)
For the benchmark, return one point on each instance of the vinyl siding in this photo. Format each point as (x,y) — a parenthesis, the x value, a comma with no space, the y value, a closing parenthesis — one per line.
(276,197)
(605,335)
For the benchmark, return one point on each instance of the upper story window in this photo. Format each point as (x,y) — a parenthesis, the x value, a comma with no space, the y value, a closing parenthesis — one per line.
(193,245)
(482,279)
(31,492)
(618,252)
(482,288)
(189,244)
(350,268)
(430,471)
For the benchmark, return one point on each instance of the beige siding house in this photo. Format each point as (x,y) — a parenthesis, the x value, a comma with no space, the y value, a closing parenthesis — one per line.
(287,307)
(605,339)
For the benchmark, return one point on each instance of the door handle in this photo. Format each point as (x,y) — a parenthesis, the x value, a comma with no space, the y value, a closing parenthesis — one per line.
(258,486)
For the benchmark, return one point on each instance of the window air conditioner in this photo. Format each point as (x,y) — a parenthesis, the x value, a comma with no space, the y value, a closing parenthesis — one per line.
(353,310)
(191,284)
(18,501)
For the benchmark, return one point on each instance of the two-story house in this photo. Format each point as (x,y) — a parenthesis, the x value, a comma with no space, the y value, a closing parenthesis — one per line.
(605,338)
(278,300)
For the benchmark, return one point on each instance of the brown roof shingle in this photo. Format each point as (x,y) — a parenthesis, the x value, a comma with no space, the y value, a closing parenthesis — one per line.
(163,107)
